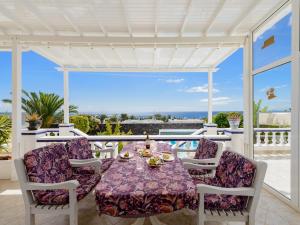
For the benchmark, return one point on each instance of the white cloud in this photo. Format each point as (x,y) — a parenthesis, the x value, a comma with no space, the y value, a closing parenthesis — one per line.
(174,81)
(219,100)
(199,89)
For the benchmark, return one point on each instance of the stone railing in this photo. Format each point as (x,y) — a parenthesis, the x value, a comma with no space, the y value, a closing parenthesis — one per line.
(272,137)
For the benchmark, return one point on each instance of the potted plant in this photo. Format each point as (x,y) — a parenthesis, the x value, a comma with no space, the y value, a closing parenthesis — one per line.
(34,121)
(234,119)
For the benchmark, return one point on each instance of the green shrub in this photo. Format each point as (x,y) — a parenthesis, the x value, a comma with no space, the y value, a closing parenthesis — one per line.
(81,123)
(5,131)
(221,120)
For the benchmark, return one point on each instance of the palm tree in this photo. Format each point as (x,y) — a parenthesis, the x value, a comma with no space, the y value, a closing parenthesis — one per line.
(256,110)
(46,105)
(5,130)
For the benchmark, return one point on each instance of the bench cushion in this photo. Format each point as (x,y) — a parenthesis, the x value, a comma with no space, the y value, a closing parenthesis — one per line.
(49,164)
(61,197)
(206,149)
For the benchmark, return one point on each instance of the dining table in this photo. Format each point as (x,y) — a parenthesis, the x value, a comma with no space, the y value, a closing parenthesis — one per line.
(131,188)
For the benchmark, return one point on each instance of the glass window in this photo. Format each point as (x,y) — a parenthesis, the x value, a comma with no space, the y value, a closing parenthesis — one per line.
(272,40)
(272,125)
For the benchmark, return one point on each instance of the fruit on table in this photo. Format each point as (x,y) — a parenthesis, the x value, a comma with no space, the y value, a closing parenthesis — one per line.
(126,154)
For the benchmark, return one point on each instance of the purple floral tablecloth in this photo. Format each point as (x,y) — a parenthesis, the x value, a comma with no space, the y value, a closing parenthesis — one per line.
(133,189)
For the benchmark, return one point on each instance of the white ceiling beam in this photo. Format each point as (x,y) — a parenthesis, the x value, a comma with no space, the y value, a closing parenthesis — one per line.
(156,54)
(100,55)
(214,17)
(128,41)
(34,10)
(125,14)
(135,56)
(190,57)
(186,17)
(85,56)
(47,55)
(244,14)
(67,17)
(172,56)
(5,12)
(118,55)
(207,57)
(134,69)
(230,52)
(156,14)
(92,6)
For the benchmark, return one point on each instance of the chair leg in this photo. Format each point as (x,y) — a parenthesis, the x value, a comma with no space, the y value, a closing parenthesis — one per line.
(250,222)
(200,220)
(73,218)
(29,218)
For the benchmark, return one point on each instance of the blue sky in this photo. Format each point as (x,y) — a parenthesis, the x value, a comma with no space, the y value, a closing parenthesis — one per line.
(160,92)
(130,92)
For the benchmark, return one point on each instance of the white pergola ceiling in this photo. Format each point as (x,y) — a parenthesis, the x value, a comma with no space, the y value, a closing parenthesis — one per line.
(132,35)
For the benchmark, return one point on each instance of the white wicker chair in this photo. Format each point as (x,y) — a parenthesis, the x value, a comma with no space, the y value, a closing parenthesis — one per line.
(32,207)
(247,215)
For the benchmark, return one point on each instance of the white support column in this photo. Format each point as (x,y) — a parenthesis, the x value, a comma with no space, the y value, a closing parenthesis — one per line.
(16,102)
(295,123)
(66,97)
(210,95)
(248,98)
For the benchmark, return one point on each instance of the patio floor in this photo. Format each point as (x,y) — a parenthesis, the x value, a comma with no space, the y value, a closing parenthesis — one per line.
(271,211)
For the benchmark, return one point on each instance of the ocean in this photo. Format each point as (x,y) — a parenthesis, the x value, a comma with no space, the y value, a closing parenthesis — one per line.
(178,115)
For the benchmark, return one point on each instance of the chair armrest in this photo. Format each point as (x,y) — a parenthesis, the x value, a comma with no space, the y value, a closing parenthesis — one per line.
(85,162)
(242,191)
(185,150)
(70,185)
(198,166)
(199,161)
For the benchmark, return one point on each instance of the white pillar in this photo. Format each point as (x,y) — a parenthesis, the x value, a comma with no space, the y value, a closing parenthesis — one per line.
(66,97)
(295,123)
(210,95)
(16,102)
(248,97)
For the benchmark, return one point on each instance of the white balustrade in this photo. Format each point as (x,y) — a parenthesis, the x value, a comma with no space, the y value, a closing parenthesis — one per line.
(272,137)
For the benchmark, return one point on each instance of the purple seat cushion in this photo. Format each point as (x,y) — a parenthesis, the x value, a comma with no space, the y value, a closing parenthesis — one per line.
(49,164)
(198,172)
(61,197)
(233,171)
(106,163)
(206,149)
(79,148)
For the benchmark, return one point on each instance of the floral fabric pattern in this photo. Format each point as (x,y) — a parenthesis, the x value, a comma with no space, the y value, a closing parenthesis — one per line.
(133,189)
(106,163)
(233,171)
(49,164)
(79,148)
(61,196)
(206,149)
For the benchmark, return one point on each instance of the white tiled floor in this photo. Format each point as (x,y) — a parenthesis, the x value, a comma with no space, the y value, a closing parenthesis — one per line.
(271,211)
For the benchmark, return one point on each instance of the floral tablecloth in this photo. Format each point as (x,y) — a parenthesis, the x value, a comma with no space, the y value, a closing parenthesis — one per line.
(133,189)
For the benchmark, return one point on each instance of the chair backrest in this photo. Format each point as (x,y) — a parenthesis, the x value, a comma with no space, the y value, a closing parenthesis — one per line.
(79,148)
(207,149)
(49,164)
(235,170)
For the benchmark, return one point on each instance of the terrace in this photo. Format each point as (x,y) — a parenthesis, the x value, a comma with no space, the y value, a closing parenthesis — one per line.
(165,36)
